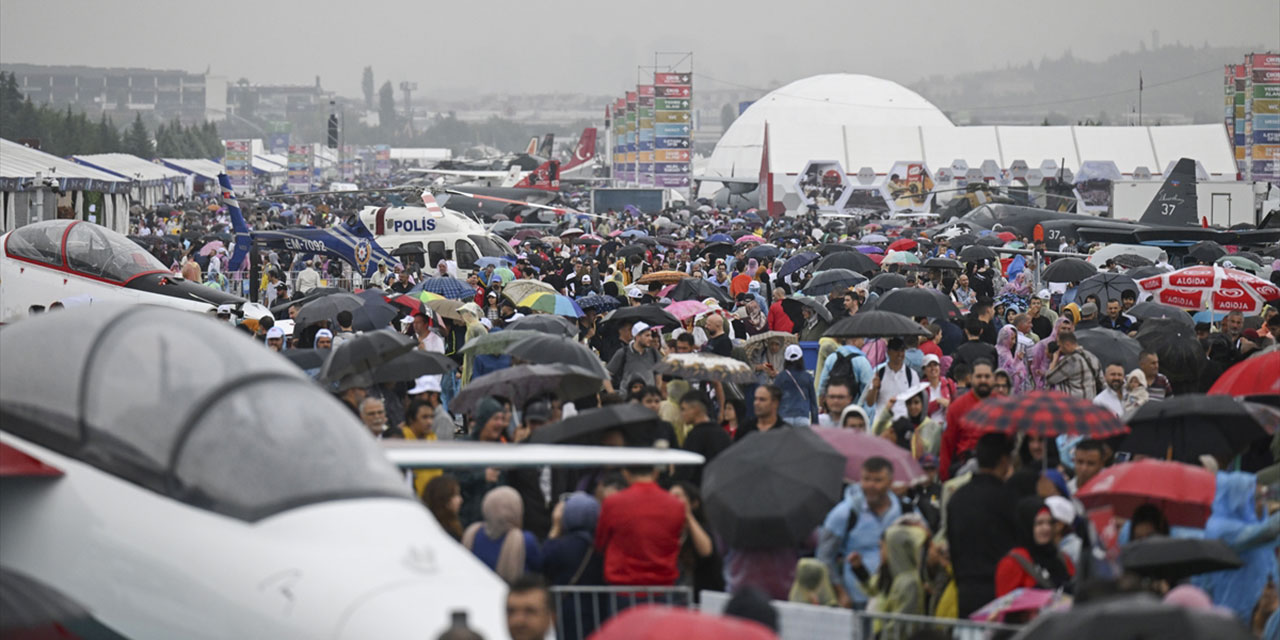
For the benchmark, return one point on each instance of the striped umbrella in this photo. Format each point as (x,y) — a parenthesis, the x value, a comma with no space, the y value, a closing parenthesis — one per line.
(553,303)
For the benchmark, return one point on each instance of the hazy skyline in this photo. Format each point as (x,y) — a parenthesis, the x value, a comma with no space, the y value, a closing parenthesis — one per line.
(574,46)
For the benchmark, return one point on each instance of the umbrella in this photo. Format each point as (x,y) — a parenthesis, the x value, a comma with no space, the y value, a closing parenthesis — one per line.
(851,260)
(1045,413)
(1130,617)
(1154,310)
(977,253)
(567,233)
(834,247)
(327,308)
(1241,263)
(759,340)
(1131,260)
(494,262)
(650,314)
(589,239)
(306,358)
(1016,601)
(771,489)
(903,244)
(523,382)
(874,238)
(750,237)
(1181,356)
(447,287)
(646,241)
(796,263)
(633,233)
(866,248)
(663,277)
(545,323)
(1111,347)
(1183,492)
(887,282)
(832,280)
(687,309)
(918,302)
(858,446)
(876,324)
(497,342)
(991,241)
(699,289)
(901,257)
(1206,251)
(717,248)
(600,303)
(1068,270)
(210,247)
(553,303)
(629,416)
(520,289)
(1146,272)
(961,240)
(1211,287)
(1257,375)
(657,622)
(1173,559)
(632,250)
(1107,286)
(705,366)
(281,310)
(942,263)
(411,365)
(794,305)
(1186,426)
(446,308)
(719,237)
(545,348)
(763,252)
(364,353)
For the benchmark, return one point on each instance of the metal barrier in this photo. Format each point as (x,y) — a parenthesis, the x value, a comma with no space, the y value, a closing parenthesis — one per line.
(580,610)
(959,629)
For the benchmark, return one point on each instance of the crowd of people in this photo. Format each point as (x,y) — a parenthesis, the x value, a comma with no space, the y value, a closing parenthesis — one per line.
(995,513)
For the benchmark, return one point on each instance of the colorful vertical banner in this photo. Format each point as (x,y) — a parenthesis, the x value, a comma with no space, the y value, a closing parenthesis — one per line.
(632,110)
(1264,120)
(238,163)
(1238,82)
(644,135)
(673,130)
(278,136)
(619,141)
(299,168)
(382,160)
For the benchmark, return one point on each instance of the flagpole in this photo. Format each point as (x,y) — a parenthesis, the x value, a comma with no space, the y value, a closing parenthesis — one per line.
(1139,98)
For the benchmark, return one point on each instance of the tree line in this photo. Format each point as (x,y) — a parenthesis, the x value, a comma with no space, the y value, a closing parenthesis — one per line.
(65,133)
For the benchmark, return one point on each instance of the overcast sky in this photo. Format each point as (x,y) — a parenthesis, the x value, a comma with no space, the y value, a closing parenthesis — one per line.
(593,46)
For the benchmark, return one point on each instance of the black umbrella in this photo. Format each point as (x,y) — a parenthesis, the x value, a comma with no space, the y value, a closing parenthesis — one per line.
(771,489)
(990,241)
(364,353)
(794,307)
(633,418)
(306,358)
(876,324)
(631,250)
(282,310)
(1130,617)
(835,247)
(886,282)
(1206,251)
(942,263)
(918,302)
(963,240)
(524,382)
(852,260)
(1173,559)
(650,314)
(1146,272)
(408,366)
(717,249)
(549,349)
(831,280)
(1131,260)
(977,253)
(1157,311)
(1110,347)
(699,289)
(1180,353)
(327,308)
(1068,270)
(763,252)
(1107,286)
(546,323)
(1187,426)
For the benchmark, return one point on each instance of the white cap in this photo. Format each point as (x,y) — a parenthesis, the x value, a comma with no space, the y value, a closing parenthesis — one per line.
(792,353)
(324,333)
(275,332)
(225,309)
(1044,294)
(423,384)
(488,324)
(930,358)
(639,328)
(586,278)
(635,292)
(406,321)
(1061,509)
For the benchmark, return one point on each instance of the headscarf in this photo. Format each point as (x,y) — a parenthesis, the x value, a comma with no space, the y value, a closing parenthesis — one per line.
(1040,355)
(581,512)
(502,511)
(1046,556)
(1012,360)
(812,585)
(854,407)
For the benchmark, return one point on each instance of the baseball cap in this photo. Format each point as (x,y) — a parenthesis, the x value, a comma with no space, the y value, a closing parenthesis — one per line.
(275,332)
(635,293)
(539,410)
(492,294)
(792,353)
(930,358)
(1089,309)
(1061,509)
(424,384)
(488,324)
(639,328)
(1043,295)
(225,309)
(324,333)
(586,278)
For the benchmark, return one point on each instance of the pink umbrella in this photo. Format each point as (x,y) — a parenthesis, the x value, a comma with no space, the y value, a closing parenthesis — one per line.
(1211,287)
(211,247)
(1018,600)
(686,309)
(858,446)
(751,238)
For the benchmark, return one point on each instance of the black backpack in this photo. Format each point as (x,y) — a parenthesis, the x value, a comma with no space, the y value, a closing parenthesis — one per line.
(842,368)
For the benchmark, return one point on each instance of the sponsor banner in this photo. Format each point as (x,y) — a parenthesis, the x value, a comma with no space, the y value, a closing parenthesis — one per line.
(1240,152)
(671,167)
(299,168)
(675,92)
(644,91)
(1266,61)
(1266,152)
(645,136)
(643,167)
(662,130)
(661,142)
(1260,91)
(1266,76)
(672,104)
(645,179)
(1264,137)
(1199,276)
(1235,300)
(645,102)
(1266,169)
(1266,106)
(672,181)
(645,124)
(382,160)
(1239,141)
(237,160)
(631,157)
(674,116)
(1183,298)
(672,155)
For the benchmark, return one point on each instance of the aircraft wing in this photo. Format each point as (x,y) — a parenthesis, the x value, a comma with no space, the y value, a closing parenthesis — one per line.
(461,173)
(437,455)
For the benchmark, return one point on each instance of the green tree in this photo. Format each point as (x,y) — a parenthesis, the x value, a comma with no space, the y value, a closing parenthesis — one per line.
(108,136)
(387,108)
(137,141)
(366,83)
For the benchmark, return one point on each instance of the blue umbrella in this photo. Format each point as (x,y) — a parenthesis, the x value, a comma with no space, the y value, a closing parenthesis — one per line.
(1209,316)
(751,215)
(720,237)
(633,233)
(448,287)
(796,263)
(496,262)
(737,221)
(599,302)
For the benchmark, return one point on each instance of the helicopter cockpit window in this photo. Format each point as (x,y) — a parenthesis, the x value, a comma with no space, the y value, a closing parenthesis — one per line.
(466,254)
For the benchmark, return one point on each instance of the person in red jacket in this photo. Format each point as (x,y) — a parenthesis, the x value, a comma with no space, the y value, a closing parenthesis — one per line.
(778,318)
(1037,562)
(639,532)
(960,438)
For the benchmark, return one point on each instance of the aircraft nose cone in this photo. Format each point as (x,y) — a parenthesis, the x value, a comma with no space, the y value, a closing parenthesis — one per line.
(422,609)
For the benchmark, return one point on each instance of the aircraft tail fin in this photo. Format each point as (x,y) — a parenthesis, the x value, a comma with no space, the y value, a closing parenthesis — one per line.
(1175,205)
(584,152)
(546,177)
(533,146)
(243,241)
(548,145)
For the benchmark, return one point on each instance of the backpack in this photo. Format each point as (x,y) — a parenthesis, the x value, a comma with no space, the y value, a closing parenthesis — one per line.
(911,374)
(842,368)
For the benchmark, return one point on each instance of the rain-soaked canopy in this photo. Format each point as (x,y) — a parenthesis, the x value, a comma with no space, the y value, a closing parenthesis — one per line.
(186,407)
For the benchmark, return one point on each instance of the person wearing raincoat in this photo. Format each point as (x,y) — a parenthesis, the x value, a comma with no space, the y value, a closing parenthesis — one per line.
(1234,520)
(896,587)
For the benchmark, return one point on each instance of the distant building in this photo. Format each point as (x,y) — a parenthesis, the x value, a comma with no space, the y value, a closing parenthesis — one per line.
(168,94)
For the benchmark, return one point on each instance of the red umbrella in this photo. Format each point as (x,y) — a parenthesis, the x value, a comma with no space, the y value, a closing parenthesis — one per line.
(858,446)
(657,622)
(1258,375)
(904,244)
(1211,287)
(875,257)
(1045,413)
(411,303)
(1183,492)
(1007,236)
